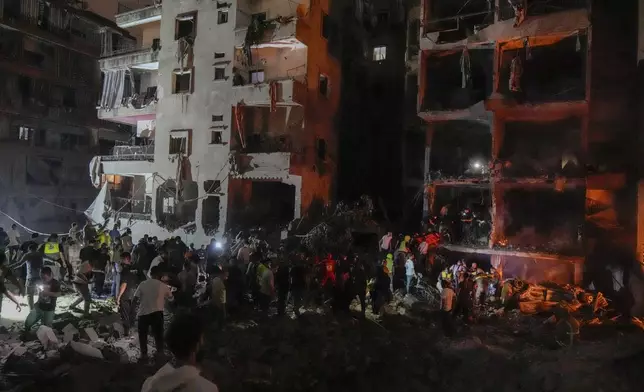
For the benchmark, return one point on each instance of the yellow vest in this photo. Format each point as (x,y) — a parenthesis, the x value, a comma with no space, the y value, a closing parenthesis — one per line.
(446,275)
(51,248)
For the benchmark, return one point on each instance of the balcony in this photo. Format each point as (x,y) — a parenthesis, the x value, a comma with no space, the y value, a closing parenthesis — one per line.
(129,160)
(289,92)
(279,31)
(140,209)
(139,16)
(267,166)
(133,108)
(139,58)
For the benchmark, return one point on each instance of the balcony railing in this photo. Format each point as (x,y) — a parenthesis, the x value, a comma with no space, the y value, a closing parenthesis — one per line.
(136,208)
(131,153)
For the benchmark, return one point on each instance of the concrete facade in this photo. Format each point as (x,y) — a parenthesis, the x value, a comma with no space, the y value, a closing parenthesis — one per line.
(48,128)
(210,156)
(490,39)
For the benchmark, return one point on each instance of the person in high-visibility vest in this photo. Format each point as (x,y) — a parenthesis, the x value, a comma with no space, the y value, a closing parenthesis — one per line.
(52,250)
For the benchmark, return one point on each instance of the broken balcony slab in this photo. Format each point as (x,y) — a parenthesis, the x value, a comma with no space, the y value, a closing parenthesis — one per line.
(477,112)
(142,58)
(461,182)
(560,23)
(268,166)
(139,16)
(289,92)
(558,183)
(510,110)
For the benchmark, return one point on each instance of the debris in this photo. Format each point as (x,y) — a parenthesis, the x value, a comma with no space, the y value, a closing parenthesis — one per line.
(91,334)
(47,337)
(118,327)
(86,349)
(69,332)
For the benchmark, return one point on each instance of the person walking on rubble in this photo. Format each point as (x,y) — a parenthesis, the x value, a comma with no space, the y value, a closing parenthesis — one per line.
(381,293)
(266,286)
(359,284)
(81,285)
(128,285)
(152,294)
(44,309)
(33,261)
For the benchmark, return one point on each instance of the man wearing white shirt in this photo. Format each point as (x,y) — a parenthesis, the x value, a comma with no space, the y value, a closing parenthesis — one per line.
(152,294)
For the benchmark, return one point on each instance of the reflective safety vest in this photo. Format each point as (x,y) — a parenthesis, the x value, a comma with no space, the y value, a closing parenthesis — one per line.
(446,275)
(51,248)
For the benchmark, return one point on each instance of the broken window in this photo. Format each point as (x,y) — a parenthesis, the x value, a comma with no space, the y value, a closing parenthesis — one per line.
(210,214)
(258,18)
(326,26)
(182,82)
(257,77)
(546,73)
(458,80)
(323,85)
(180,142)
(216,137)
(222,4)
(544,219)
(222,17)
(220,73)
(460,149)
(220,55)
(379,53)
(185,26)
(538,149)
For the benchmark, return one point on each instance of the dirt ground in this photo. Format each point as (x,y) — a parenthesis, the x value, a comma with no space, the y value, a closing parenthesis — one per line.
(320,352)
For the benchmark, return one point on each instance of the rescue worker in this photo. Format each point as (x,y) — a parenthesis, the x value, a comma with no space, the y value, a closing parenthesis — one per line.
(467,219)
(283,286)
(445,276)
(329,270)
(52,250)
(381,293)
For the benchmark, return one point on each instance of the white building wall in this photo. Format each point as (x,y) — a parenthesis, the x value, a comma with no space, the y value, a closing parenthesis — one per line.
(194,111)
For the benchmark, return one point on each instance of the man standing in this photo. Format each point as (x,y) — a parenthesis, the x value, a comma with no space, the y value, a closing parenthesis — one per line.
(4,241)
(81,284)
(243,254)
(410,271)
(52,250)
(33,260)
(126,241)
(5,292)
(385,243)
(99,267)
(152,294)
(14,243)
(127,287)
(448,297)
(45,307)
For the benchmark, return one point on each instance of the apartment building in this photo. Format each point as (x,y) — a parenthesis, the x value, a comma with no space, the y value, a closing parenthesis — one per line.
(529,113)
(233,103)
(49,85)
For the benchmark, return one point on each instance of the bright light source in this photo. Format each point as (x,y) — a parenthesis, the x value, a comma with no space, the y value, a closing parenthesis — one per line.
(218,245)
(477,165)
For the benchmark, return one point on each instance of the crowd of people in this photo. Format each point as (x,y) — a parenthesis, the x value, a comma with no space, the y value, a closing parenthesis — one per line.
(151,276)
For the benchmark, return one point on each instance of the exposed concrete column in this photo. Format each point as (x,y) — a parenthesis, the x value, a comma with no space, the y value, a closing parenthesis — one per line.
(428,200)
(497,213)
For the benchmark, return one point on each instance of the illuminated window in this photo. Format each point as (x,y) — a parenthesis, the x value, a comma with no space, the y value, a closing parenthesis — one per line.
(257,77)
(113,180)
(379,53)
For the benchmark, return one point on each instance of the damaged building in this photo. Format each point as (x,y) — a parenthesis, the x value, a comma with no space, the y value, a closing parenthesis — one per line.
(233,103)
(48,127)
(524,105)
